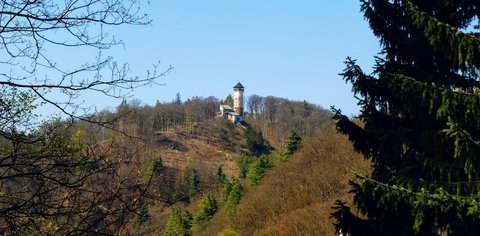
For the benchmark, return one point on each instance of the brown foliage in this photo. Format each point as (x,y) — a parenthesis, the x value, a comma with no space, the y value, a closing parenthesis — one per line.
(296,198)
(277,117)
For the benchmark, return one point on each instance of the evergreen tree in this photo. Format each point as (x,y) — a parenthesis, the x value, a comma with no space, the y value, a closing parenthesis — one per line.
(243,165)
(258,168)
(179,223)
(194,183)
(155,167)
(231,193)
(421,126)
(178,99)
(256,143)
(207,208)
(226,189)
(228,100)
(293,143)
(235,195)
(220,175)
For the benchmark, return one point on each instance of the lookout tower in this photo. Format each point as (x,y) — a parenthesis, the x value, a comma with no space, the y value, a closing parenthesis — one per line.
(238,98)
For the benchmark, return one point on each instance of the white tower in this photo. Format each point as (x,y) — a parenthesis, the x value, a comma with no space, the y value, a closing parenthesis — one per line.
(238,98)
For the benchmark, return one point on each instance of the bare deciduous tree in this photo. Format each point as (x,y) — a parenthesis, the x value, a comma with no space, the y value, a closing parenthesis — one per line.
(30,29)
(53,181)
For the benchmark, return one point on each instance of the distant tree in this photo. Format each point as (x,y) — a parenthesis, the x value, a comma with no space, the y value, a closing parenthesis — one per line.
(206,209)
(293,143)
(179,223)
(231,193)
(229,100)
(154,177)
(155,167)
(256,144)
(254,104)
(258,168)
(194,183)
(243,164)
(226,189)
(271,108)
(178,99)
(307,109)
(420,122)
(189,123)
(220,175)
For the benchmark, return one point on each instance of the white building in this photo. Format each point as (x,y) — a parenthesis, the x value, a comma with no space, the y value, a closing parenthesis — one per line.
(229,113)
(234,114)
(238,98)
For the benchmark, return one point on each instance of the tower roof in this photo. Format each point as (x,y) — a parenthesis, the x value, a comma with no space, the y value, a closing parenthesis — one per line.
(239,85)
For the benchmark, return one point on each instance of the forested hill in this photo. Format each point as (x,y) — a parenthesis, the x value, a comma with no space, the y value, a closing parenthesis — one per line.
(177,168)
(198,151)
(274,117)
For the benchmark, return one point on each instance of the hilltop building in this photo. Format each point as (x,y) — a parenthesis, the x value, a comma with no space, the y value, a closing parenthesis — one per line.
(228,112)
(235,114)
(238,98)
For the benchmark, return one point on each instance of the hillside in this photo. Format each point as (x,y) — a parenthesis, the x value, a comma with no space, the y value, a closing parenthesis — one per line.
(205,145)
(181,153)
(295,197)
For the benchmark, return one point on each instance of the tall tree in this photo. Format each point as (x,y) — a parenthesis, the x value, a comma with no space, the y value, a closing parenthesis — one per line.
(194,183)
(421,126)
(254,104)
(293,143)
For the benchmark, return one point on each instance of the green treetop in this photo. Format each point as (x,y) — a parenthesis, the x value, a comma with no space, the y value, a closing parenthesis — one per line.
(207,208)
(293,143)
(421,127)
(231,193)
(179,223)
(194,183)
(229,100)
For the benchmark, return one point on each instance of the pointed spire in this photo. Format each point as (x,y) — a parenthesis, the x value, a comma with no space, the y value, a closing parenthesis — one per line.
(239,85)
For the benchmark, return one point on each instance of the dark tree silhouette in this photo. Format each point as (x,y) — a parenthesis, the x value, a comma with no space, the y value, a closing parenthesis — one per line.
(420,122)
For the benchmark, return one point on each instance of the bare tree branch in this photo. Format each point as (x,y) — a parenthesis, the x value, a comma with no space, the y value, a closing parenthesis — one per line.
(30,28)
(51,181)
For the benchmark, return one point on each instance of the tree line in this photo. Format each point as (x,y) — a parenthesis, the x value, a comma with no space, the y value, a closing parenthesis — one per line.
(278,117)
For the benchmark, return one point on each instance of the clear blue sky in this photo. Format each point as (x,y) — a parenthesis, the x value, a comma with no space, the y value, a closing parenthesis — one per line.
(291,49)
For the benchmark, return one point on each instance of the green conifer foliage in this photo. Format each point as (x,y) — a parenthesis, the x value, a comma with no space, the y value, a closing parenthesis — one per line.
(293,143)
(231,194)
(421,122)
(179,223)
(243,164)
(220,175)
(207,208)
(257,145)
(228,100)
(258,168)
(194,183)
